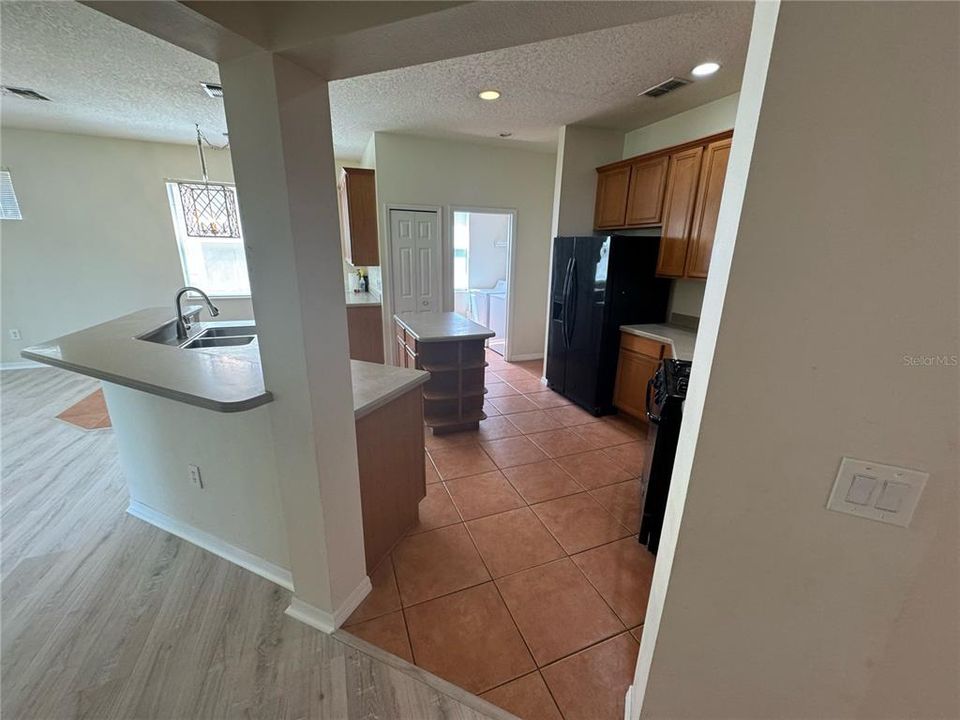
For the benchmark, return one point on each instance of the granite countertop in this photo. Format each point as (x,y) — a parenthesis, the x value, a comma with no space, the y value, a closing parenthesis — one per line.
(437,327)
(375,385)
(362,299)
(681,340)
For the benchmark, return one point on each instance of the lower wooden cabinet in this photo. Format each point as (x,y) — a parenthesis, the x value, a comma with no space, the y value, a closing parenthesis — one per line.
(639,360)
(365,333)
(392,472)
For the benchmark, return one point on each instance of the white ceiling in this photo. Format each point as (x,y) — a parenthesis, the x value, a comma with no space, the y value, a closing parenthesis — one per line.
(107,78)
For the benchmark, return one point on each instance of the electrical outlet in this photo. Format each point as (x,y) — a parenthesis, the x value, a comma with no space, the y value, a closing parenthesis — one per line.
(195,478)
(14,334)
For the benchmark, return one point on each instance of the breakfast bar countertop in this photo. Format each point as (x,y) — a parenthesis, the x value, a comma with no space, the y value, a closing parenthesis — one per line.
(225,379)
(439,327)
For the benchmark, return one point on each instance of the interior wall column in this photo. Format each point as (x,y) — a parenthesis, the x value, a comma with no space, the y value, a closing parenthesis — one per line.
(278,116)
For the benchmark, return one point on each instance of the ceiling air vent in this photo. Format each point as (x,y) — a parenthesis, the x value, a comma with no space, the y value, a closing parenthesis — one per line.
(214,90)
(25,93)
(665,87)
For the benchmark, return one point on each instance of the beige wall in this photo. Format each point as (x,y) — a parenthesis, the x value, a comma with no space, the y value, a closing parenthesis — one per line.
(698,122)
(422,171)
(842,269)
(96,240)
(580,150)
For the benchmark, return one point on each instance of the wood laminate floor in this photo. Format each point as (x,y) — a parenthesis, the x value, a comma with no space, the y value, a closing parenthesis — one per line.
(105,616)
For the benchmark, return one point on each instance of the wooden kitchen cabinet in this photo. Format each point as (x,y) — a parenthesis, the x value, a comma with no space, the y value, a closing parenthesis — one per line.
(648,181)
(677,188)
(392,472)
(612,188)
(678,205)
(712,176)
(639,359)
(365,333)
(357,194)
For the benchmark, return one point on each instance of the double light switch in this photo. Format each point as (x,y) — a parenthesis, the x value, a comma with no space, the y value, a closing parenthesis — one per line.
(878,492)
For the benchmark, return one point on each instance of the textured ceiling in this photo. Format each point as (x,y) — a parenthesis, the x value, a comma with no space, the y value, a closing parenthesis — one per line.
(590,78)
(103,77)
(108,78)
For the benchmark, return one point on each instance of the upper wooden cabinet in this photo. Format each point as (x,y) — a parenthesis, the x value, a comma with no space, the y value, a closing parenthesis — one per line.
(677,188)
(678,211)
(648,180)
(357,193)
(712,175)
(612,188)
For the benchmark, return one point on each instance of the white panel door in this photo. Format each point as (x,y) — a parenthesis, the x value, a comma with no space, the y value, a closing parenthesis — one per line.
(415,239)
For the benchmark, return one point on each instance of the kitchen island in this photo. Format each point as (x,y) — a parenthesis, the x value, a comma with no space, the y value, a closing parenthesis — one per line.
(451,348)
(195,437)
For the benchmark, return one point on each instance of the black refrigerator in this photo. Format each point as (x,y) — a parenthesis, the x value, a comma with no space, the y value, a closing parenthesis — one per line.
(599,283)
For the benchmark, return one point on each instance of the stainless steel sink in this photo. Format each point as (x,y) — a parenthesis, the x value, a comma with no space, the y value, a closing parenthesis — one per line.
(229,331)
(204,340)
(209,337)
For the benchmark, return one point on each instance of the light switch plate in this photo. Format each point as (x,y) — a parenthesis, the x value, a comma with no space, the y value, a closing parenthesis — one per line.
(894,487)
(871,490)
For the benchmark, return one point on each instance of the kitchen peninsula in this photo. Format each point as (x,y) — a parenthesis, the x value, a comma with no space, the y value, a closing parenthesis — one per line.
(192,421)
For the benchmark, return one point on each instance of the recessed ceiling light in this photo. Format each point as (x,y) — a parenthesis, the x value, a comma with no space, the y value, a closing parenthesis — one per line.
(489,94)
(704,69)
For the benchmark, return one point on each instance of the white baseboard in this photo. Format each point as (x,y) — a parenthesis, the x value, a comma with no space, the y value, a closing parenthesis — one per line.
(628,704)
(528,356)
(238,556)
(329,621)
(21,365)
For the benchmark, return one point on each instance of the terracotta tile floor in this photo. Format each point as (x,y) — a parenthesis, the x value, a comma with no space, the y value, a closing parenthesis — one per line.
(523,581)
(89,414)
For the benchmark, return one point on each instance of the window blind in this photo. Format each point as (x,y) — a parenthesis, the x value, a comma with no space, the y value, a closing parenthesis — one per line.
(9,207)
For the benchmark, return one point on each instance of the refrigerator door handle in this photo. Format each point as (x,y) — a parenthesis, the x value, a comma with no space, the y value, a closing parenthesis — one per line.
(570,312)
(566,302)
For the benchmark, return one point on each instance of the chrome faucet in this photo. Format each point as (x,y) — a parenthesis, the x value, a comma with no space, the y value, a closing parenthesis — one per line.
(182,325)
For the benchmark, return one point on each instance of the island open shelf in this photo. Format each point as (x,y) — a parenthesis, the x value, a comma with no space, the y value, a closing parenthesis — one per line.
(451,348)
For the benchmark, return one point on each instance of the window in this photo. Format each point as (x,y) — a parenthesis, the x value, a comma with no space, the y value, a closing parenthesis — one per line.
(9,207)
(461,247)
(207,225)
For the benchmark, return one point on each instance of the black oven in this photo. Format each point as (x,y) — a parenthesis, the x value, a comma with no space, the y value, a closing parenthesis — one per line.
(666,392)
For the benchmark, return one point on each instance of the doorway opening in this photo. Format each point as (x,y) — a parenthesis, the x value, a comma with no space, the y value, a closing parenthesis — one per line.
(482,248)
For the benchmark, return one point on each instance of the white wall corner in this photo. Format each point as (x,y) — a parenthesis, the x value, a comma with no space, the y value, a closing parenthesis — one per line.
(628,704)
(211,543)
(324,620)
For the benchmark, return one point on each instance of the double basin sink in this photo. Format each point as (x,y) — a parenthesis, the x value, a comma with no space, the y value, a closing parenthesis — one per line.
(208,337)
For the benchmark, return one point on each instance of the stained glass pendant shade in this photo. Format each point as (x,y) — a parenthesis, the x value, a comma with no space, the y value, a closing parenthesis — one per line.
(209,210)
